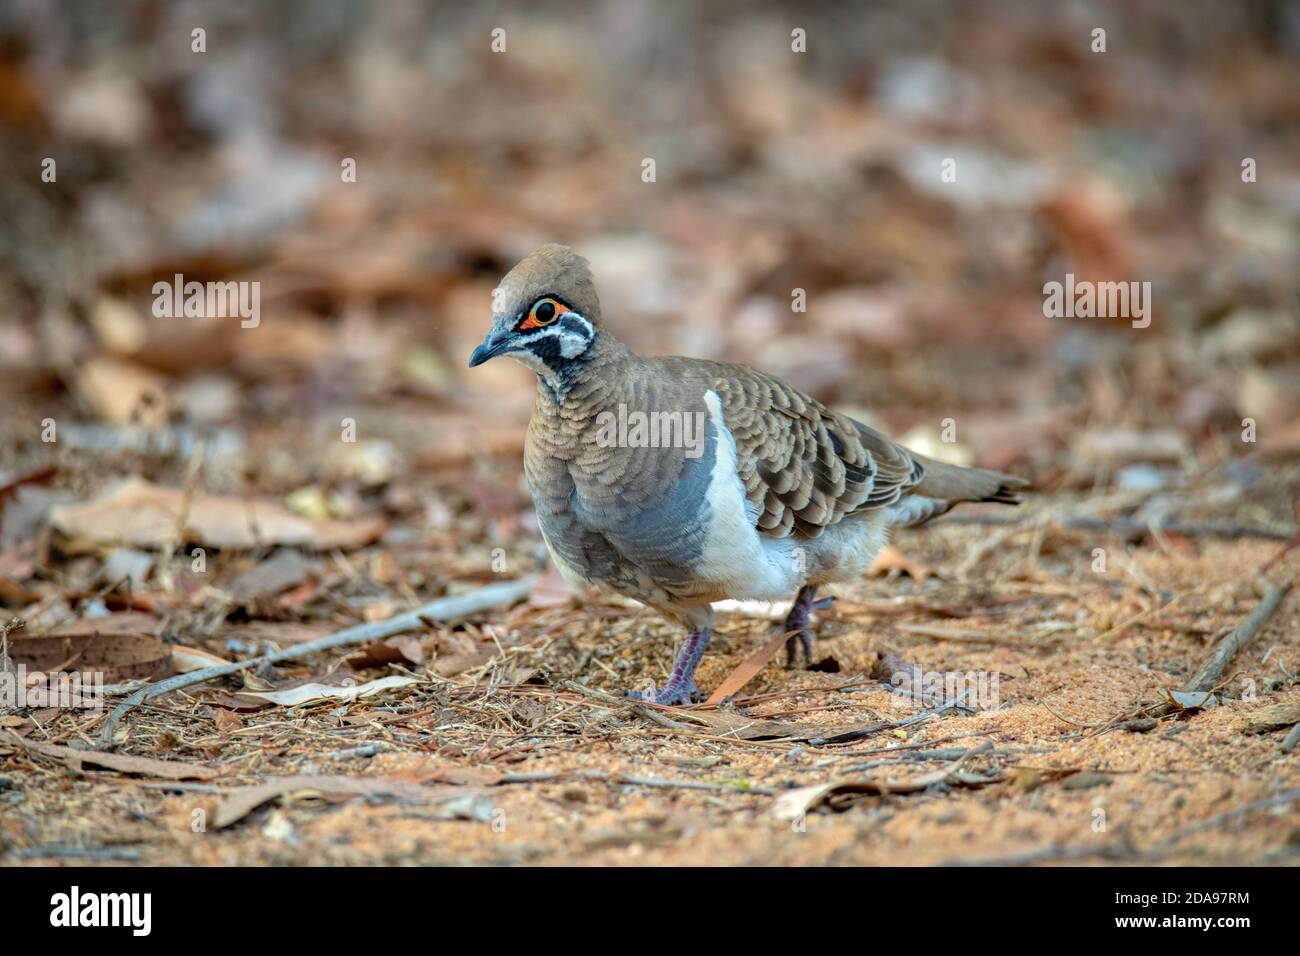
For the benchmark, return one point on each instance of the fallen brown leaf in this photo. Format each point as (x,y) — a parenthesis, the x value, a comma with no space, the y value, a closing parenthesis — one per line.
(117,657)
(123,763)
(123,393)
(1270,718)
(746,669)
(138,513)
(402,649)
(240,802)
(891,559)
(795,803)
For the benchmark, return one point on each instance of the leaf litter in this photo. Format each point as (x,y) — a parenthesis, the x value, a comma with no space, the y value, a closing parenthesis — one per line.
(201,514)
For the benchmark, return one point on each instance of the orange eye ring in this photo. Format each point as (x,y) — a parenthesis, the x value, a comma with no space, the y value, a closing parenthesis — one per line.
(545,311)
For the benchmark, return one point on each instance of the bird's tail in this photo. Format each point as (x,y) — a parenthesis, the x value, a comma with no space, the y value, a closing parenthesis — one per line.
(945,486)
(956,484)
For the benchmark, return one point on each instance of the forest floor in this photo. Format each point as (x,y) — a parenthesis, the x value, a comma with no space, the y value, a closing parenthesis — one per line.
(491,751)
(876,219)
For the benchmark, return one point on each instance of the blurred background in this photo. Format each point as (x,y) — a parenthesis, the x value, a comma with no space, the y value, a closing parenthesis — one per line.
(867,199)
(774,171)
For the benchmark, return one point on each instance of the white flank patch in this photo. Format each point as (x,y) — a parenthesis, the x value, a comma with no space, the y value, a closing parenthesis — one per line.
(760,610)
(743,563)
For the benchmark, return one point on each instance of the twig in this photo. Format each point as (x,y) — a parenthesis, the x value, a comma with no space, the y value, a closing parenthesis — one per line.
(1291,542)
(1051,854)
(365,750)
(639,709)
(1232,816)
(1138,618)
(987,546)
(16,624)
(1130,527)
(123,853)
(916,746)
(493,595)
(972,636)
(1292,739)
(1208,675)
(853,735)
(547,776)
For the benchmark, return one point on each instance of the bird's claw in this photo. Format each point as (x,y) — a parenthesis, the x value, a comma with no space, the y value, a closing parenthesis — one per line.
(803,638)
(670,695)
(797,623)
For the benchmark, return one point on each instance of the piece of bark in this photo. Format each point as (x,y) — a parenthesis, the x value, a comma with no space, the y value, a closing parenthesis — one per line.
(75,759)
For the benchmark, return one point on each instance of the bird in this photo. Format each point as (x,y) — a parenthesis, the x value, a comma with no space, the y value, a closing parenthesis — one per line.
(680,482)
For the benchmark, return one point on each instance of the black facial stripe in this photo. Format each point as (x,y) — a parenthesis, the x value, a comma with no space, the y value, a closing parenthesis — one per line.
(575,323)
(547,349)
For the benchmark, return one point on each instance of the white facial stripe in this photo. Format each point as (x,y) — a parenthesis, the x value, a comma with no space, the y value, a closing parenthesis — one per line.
(572,344)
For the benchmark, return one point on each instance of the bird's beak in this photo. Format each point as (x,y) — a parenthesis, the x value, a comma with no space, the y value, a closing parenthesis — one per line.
(491,347)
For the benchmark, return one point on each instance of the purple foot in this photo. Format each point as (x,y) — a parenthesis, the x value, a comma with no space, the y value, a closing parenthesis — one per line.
(671,694)
(797,624)
(680,688)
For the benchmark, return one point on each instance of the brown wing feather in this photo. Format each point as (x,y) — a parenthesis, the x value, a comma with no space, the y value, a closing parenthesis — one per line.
(804,467)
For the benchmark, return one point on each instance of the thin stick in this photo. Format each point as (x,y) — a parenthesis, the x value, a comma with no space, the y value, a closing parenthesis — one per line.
(1051,854)
(972,636)
(1233,816)
(1291,542)
(609,699)
(1292,739)
(494,595)
(1211,670)
(1128,527)
(548,776)
(16,624)
(852,735)
(1207,676)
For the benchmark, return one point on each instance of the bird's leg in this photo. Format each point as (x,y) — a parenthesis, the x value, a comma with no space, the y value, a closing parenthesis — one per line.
(797,623)
(680,688)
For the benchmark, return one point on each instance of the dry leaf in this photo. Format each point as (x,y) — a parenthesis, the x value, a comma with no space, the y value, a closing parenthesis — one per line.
(449,665)
(310,693)
(402,649)
(286,568)
(795,803)
(1272,717)
(227,720)
(1190,700)
(123,763)
(122,393)
(138,513)
(552,590)
(746,669)
(186,659)
(120,622)
(891,559)
(240,802)
(724,724)
(117,657)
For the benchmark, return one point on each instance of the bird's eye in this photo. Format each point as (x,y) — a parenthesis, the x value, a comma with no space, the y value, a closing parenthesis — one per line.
(543,313)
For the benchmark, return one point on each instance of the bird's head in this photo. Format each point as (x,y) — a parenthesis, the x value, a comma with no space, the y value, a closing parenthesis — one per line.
(545,313)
